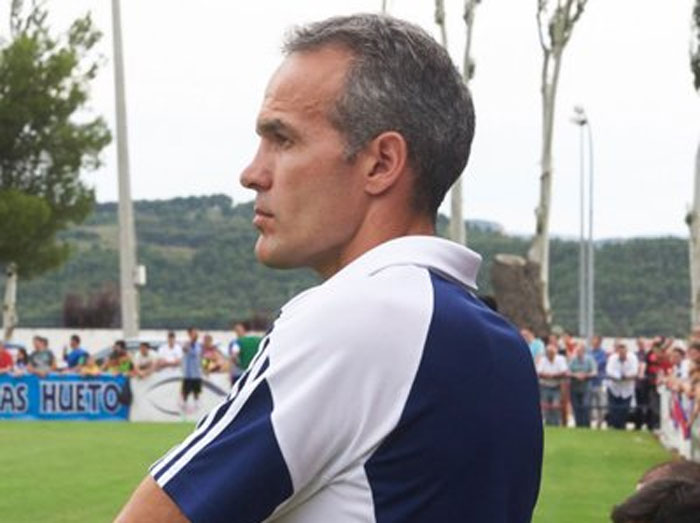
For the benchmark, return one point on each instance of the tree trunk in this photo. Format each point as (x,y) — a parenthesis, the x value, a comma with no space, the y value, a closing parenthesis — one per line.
(9,309)
(694,244)
(458,229)
(539,250)
(518,292)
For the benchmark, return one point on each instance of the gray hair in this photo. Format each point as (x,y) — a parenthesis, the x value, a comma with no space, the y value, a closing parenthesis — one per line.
(400,80)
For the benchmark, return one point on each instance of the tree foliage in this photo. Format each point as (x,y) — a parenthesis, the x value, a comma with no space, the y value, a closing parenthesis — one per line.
(202,270)
(46,136)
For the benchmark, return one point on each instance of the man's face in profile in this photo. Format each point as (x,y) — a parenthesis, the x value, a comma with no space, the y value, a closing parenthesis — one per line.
(310,200)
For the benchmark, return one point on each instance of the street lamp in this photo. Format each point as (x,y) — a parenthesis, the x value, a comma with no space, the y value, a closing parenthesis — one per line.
(586,252)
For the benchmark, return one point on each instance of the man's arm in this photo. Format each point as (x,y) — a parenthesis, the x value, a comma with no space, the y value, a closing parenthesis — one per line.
(150,503)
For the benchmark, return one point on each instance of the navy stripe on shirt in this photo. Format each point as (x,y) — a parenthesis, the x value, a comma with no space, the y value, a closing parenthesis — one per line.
(468,444)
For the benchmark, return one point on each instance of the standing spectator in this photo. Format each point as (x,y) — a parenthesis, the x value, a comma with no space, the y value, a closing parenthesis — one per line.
(693,387)
(191,370)
(641,385)
(655,365)
(536,344)
(6,364)
(77,356)
(551,370)
(169,354)
(144,360)
(119,361)
(21,361)
(91,368)
(245,347)
(569,343)
(41,360)
(599,398)
(582,368)
(621,370)
(212,360)
(680,365)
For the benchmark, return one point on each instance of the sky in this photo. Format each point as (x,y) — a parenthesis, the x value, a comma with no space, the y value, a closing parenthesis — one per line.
(196,72)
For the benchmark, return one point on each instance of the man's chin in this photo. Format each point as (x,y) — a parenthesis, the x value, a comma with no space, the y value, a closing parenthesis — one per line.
(271,258)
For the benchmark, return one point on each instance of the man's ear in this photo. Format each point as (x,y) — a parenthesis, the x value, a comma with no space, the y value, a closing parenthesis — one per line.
(387,154)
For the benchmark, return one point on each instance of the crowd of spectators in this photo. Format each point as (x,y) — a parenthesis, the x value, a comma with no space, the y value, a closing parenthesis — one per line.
(613,386)
(194,357)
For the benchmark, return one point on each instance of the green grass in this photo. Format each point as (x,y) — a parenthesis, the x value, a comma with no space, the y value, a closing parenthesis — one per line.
(586,472)
(69,472)
(76,471)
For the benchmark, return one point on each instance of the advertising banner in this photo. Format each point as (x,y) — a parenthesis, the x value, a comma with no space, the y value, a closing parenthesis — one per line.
(157,397)
(64,397)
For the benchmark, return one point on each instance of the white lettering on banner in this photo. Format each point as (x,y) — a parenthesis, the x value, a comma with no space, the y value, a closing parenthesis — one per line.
(13,398)
(78,397)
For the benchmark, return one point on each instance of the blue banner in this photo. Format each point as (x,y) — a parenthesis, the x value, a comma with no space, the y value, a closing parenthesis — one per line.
(64,397)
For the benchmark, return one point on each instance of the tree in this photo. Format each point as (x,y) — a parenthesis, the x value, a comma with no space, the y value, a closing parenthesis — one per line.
(46,141)
(693,217)
(458,230)
(556,20)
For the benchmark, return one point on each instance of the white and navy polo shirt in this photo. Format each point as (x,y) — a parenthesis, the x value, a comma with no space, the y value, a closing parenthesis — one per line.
(387,394)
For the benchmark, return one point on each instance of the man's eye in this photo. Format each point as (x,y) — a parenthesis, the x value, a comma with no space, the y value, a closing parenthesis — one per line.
(282,140)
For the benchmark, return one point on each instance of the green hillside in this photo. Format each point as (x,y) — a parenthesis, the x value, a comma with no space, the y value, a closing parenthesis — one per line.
(201,270)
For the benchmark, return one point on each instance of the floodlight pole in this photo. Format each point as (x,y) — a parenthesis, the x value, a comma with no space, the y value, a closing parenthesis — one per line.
(127,234)
(586,251)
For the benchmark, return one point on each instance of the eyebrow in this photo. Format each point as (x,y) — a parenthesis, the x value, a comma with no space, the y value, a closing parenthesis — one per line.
(273,126)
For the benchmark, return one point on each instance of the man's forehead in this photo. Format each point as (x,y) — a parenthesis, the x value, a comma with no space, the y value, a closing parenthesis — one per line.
(307,81)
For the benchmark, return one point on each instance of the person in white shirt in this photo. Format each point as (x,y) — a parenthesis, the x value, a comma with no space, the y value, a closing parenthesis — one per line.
(551,369)
(144,360)
(621,371)
(169,354)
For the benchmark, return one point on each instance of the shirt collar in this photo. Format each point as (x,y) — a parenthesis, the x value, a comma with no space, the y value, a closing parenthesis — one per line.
(449,259)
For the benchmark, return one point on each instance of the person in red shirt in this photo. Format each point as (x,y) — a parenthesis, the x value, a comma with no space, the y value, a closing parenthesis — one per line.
(5,359)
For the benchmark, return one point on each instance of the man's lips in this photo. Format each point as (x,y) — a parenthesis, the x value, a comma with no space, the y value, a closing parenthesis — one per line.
(261,216)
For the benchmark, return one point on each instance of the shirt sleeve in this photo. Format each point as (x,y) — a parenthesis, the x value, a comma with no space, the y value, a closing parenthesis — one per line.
(230,468)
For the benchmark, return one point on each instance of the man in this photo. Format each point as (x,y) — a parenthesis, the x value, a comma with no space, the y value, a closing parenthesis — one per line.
(641,385)
(119,361)
(169,354)
(621,371)
(582,369)
(552,370)
(656,364)
(536,344)
(144,360)
(389,392)
(599,399)
(41,360)
(242,350)
(77,356)
(6,364)
(191,370)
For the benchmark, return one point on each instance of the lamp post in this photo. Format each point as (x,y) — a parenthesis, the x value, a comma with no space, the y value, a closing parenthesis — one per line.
(586,251)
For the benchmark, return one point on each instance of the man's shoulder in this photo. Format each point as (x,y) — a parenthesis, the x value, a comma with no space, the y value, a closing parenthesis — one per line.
(391,290)
(357,313)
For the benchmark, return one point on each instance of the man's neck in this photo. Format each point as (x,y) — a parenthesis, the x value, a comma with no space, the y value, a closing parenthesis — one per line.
(371,234)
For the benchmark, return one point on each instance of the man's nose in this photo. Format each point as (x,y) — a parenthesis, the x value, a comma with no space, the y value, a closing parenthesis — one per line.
(258,175)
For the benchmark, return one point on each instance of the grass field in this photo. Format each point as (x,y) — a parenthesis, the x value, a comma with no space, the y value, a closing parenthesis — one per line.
(69,472)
